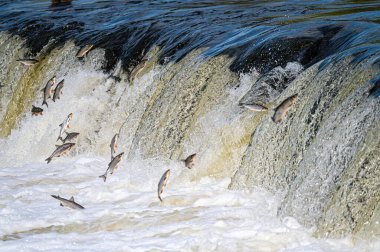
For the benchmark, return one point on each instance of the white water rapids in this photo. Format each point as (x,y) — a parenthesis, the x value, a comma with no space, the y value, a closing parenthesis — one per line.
(198,212)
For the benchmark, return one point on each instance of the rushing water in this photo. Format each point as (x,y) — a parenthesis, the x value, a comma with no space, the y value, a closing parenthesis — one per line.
(309,183)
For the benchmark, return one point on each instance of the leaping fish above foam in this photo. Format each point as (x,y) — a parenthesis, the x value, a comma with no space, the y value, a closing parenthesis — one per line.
(70,136)
(68,203)
(189,161)
(36,110)
(137,70)
(162,183)
(61,150)
(255,107)
(64,126)
(48,90)
(28,62)
(84,50)
(113,145)
(58,90)
(112,166)
(283,109)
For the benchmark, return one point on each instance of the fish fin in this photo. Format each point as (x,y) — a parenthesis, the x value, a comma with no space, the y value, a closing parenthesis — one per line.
(61,125)
(44,102)
(72,199)
(33,106)
(61,204)
(159,197)
(53,99)
(43,89)
(60,138)
(104,176)
(48,160)
(54,196)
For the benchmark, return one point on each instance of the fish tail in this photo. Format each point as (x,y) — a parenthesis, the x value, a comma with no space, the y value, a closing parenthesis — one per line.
(48,160)
(104,177)
(44,102)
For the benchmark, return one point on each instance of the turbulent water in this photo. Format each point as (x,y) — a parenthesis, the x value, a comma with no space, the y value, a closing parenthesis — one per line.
(308,183)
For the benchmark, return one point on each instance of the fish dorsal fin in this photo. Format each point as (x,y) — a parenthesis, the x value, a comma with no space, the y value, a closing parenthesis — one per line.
(61,204)
(72,198)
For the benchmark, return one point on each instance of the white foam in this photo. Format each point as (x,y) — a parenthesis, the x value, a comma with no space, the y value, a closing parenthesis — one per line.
(124,213)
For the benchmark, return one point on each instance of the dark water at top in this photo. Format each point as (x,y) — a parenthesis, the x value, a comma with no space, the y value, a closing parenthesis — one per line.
(261,34)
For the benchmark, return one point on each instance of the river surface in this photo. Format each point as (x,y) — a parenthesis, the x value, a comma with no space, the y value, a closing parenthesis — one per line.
(309,183)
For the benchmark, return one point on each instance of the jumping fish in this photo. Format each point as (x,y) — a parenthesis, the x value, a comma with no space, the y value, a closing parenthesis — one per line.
(113,145)
(70,136)
(64,126)
(162,183)
(48,90)
(283,109)
(68,203)
(189,161)
(28,62)
(84,50)
(255,107)
(58,90)
(137,70)
(112,166)
(36,111)
(61,150)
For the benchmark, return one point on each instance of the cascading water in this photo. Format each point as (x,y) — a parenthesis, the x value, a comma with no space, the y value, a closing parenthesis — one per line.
(308,183)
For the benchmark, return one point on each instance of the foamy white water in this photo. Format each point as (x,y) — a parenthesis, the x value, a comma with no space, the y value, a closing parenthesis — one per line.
(124,214)
(198,213)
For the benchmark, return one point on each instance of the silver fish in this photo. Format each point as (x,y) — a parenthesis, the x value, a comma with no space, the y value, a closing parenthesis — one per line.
(137,70)
(84,50)
(68,203)
(283,109)
(64,126)
(61,150)
(28,62)
(162,183)
(48,90)
(70,136)
(113,145)
(255,107)
(112,166)
(58,90)
(189,161)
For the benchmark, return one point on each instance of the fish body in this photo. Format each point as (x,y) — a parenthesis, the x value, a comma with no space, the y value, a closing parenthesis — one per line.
(36,111)
(283,109)
(70,136)
(113,145)
(112,166)
(28,62)
(137,70)
(189,161)
(48,90)
(255,107)
(64,126)
(68,203)
(61,150)
(84,50)
(162,183)
(58,90)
